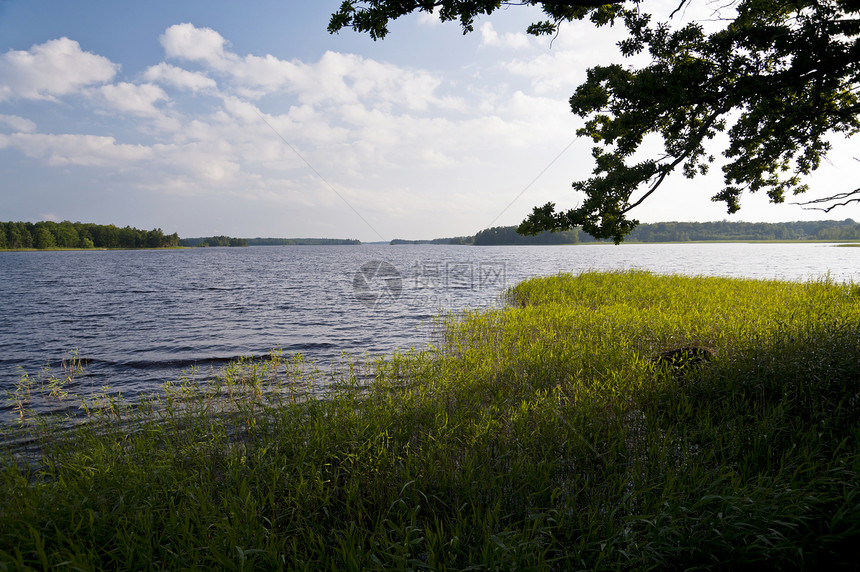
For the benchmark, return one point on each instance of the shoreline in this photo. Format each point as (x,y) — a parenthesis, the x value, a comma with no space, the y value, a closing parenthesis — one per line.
(99,249)
(601,243)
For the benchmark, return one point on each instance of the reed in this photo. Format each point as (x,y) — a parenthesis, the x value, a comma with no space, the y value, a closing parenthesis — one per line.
(541,435)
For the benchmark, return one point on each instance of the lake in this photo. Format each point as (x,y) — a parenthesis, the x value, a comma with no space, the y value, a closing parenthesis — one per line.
(141,318)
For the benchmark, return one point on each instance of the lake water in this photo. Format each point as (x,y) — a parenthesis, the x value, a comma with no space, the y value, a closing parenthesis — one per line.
(144,317)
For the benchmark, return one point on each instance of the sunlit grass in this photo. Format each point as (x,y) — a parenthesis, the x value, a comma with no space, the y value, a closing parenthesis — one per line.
(542,435)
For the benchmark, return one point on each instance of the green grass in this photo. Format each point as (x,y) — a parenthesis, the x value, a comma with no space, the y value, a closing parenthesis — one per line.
(539,436)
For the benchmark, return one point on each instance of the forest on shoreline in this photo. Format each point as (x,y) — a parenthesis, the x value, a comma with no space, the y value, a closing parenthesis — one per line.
(49,235)
(828,230)
(46,235)
(230,241)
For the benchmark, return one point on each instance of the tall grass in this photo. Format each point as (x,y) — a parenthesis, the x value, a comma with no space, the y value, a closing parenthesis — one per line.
(542,435)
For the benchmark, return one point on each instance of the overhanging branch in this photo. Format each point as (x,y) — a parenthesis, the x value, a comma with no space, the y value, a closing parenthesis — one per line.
(851,196)
(694,143)
(847,198)
(577,3)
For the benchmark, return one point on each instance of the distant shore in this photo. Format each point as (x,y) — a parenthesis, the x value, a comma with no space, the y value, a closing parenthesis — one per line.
(97,249)
(855,242)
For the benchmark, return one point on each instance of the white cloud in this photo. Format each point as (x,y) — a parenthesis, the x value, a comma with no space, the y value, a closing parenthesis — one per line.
(335,78)
(20,124)
(396,141)
(267,72)
(562,65)
(133,98)
(178,77)
(338,78)
(511,40)
(186,41)
(57,67)
(72,149)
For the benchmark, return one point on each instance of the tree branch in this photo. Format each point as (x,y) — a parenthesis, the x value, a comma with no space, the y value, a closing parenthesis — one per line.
(805,206)
(676,10)
(656,184)
(856,199)
(579,3)
(679,159)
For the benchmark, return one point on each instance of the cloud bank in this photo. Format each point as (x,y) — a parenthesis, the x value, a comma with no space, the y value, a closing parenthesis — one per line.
(280,143)
(395,142)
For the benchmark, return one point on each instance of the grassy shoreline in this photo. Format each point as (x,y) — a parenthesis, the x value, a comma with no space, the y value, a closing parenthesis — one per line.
(543,435)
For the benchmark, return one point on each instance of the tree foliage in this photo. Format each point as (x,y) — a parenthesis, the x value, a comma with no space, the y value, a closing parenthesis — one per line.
(509,235)
(48,234)
(778,78)
(373,16)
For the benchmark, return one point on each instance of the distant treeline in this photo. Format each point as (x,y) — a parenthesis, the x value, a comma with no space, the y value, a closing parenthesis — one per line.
(228,241)
(454,240)
(47,234)
(301,241)
(508,235)
(214,241)
(688,231)
(801,230)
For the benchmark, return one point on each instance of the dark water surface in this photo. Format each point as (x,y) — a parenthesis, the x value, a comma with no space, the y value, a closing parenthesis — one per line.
(141,318)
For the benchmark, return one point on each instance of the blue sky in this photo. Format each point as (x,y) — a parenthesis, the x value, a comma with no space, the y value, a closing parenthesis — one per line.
(249,119)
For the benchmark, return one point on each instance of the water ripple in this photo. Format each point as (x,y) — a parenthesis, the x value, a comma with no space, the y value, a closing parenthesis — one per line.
(142,317)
